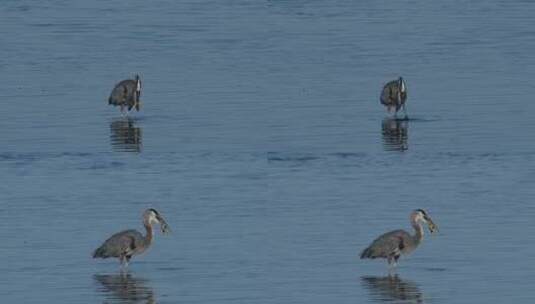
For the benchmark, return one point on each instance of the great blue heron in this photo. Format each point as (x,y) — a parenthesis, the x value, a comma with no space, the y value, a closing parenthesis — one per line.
(125,244)
(393,244)
(394,96)
(126,94)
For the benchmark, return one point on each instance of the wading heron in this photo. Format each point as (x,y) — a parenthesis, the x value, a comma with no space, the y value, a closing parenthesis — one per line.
(394,96)
(125,244)
(393,244)
(126,94)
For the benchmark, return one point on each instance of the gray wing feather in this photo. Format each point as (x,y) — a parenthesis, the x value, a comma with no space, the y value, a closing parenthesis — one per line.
(386,245)
(123,93)
(119,244)
(389,93)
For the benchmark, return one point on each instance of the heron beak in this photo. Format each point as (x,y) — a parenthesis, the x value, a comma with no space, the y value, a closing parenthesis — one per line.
(163,224)
(432,226)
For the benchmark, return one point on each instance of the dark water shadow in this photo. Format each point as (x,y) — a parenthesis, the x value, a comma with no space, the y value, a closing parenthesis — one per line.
(291,157)
(126,135)
(418,119)
(392,289)
(124,288)
(395,133)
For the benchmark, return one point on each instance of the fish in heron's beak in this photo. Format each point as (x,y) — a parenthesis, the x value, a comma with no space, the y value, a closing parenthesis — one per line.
(432,226)
(163,224)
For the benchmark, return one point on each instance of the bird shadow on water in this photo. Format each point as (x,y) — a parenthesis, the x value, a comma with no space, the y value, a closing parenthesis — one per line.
(126,135)
(124,288)
(395,133)
(392,289)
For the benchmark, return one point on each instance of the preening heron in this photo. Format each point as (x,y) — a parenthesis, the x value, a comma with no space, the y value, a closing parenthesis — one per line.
(125,244)
(126,94)
(393,244)
(394,96)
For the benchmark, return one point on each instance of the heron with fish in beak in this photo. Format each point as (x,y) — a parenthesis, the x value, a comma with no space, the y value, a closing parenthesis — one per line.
(393,244)
(125,244)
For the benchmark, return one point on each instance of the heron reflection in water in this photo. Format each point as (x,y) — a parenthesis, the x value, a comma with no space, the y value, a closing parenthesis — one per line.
(124,288)
(395,134)
(125,135)
(392,289)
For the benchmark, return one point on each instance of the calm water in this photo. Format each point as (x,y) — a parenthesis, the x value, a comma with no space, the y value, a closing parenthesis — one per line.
(262,142)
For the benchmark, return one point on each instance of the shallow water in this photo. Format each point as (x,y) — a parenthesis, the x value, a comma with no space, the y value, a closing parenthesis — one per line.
(262,141)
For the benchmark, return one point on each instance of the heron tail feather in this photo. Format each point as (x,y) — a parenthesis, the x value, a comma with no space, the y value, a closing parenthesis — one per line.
(100,253)
(367,254)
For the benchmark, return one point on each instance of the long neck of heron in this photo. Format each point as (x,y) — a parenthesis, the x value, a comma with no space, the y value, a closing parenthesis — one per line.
(419,231)
(150,232)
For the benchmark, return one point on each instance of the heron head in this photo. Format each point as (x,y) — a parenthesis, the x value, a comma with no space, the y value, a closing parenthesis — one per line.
(402,85)
(153,216)
(421,215)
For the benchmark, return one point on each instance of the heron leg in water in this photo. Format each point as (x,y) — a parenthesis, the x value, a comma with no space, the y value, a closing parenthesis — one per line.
(393,262)
(124,261)
(405,112)
(123,112)
(391,266)
(396,258)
